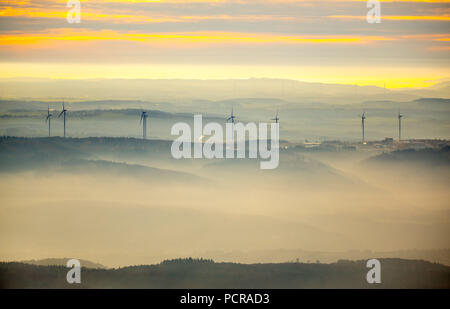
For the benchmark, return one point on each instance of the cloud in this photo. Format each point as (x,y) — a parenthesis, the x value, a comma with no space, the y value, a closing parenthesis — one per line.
(399,18)
(241,32)
(180,38)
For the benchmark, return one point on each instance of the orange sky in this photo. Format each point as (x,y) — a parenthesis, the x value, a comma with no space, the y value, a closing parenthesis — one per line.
(328,41)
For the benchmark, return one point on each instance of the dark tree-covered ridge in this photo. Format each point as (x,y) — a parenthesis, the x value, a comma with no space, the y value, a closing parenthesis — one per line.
(200,273)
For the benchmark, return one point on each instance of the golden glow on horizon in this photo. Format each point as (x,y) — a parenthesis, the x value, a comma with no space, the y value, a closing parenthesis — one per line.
(180,38)
(393,77)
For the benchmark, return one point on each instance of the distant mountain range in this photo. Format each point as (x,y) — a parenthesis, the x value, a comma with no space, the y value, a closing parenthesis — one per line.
(80,109)
(63,262)
(313,118)
(189,90)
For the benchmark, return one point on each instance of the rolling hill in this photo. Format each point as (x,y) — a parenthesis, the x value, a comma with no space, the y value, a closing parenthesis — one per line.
(191,273)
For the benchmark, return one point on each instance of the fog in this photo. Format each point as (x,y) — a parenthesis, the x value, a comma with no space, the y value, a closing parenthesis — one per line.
(327,202)
(299,121)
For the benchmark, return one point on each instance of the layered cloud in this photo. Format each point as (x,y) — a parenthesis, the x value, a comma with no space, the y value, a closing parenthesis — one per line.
(257,32)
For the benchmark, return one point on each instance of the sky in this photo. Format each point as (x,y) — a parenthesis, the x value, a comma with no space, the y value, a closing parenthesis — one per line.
(319,41)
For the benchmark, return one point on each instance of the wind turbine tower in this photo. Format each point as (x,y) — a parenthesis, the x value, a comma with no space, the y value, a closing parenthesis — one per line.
(63,112)
(363,118)
(399,126)
(48,119)
(232,117)
(276,118)
(143,120)
(277,121)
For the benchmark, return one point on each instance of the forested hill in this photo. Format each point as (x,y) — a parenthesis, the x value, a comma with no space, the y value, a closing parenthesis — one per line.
(430,157)
(189,273)
(87,155)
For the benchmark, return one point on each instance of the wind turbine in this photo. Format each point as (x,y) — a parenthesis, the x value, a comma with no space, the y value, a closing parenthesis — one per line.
(276,121)
(363,118)
(232,117)
(276,118)
(144,124)
(48,119)
(63,112)
(399,126)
